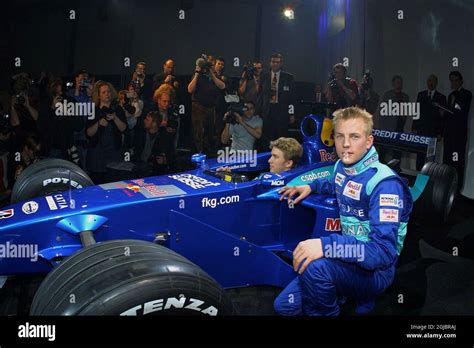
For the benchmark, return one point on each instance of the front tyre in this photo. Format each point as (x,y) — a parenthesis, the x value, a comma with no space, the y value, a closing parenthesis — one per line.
(129,277)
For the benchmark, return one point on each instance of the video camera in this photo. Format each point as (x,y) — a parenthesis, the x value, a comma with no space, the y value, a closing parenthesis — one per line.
(5,126)
(135,84)
(204,63)
(109,110)
(249,71)
(84,85)
(235,106)
(128,103)
(367,81)
(20,99)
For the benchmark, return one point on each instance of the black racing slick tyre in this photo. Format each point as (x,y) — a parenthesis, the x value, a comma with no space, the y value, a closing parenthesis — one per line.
(48,176)
(129,277)
(436,201)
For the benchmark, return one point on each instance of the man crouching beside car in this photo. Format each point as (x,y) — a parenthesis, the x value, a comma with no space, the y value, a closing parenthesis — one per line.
(374,207)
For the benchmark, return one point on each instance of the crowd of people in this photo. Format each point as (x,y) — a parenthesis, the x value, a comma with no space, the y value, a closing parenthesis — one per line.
(141,124)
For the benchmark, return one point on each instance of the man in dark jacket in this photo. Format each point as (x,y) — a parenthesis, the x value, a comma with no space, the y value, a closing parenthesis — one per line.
(430,122)
(456,126)
(152,150)
(276,101)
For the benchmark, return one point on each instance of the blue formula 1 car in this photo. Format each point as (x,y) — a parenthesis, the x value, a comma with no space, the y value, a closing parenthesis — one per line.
(165,244)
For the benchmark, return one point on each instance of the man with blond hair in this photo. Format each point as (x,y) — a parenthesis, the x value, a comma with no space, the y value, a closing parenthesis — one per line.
(286,153)
(374,207)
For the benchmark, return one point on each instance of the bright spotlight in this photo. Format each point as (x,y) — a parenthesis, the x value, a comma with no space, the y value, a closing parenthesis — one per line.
(289,13)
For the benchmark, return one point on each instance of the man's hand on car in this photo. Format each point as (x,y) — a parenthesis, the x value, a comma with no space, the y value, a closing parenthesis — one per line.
(302,191)
(224,169)
(306,252)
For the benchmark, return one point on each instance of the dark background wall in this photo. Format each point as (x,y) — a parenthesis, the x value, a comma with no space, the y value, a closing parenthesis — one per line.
(106,31)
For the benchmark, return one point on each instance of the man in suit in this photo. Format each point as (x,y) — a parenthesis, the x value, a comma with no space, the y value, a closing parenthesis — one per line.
(456,125)
(431,116)
(276,95)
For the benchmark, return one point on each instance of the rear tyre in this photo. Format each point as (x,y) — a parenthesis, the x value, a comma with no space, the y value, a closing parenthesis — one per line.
(48,176)
(437,199)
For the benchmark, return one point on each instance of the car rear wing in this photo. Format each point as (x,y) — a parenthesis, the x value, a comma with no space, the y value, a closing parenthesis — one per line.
(407,142)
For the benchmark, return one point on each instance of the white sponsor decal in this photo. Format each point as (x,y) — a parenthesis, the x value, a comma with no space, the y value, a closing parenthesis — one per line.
(350,171)
(56,201)
(61,180)
(389,200)
(6,214)
(52,205)
(30,207)
(213,202)
(164,304)
(352,190)
(389,215)
(193,181)
(344,208)
(277,183)
(340,179)
(315,175)
(37,331)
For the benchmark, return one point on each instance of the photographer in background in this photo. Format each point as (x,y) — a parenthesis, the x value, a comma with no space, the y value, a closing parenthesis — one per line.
(57,132)
(29,154)
(243,126)
(23,115)
(82,87)
(221,105)
(342,90)
(169,125)
(132,107)
(104,132)
(80,91)
(139,85)
(167,77)
(152,153)
(205,88)
(369,99)
(250,82)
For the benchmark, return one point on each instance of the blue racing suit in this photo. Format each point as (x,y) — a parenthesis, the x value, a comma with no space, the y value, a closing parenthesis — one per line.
(374,207)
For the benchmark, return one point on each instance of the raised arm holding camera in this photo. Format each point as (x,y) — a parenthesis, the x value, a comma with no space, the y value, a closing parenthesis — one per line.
(342,90)
(104,132)
(243,126)
(205,88)
(249,84)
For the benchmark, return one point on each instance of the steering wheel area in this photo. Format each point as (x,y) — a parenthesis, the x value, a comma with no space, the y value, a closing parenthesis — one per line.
(227,176)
